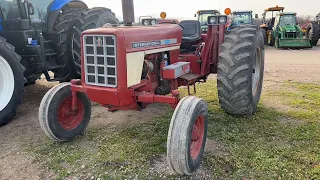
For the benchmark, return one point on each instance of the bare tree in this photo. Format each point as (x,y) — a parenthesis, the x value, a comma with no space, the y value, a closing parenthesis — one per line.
(302,20)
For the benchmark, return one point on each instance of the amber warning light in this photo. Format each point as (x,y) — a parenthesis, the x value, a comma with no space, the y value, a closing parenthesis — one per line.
(163,15)
(227,11)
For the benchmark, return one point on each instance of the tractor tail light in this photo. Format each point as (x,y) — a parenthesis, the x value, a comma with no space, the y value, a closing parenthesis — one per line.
(100,60)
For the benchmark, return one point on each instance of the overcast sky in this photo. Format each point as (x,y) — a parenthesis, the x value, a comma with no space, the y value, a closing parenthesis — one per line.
(186,8)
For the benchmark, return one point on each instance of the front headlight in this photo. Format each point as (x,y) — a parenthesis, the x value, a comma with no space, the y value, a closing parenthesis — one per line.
(145,22)
(153,22)
(222,19)
(213,20)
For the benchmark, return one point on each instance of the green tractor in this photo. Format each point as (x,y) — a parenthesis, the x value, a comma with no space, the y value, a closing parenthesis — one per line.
(39,36)
(286,32)
(203,18)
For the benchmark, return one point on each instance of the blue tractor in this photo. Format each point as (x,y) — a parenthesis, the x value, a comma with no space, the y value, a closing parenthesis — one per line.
(38,36)
(240,17)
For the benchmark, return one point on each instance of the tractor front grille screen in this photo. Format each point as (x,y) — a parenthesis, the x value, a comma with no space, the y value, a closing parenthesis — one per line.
(100,60)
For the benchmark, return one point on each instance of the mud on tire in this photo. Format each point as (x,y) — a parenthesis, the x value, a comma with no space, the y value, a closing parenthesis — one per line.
(91,19)
(13,59)
(240,70)
(55,116)
(313,32)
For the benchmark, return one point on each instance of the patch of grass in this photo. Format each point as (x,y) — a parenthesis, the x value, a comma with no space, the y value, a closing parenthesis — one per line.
(302,98)
(258,147)
(121,153)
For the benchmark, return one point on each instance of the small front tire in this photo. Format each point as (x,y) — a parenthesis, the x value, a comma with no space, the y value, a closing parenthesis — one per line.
(55,115)
(187,135)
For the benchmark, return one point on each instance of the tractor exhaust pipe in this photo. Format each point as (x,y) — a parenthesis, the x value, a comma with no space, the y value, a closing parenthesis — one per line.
(128,12)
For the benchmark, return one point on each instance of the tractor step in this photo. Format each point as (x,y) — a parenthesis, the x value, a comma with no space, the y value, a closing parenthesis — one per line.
(47,41)
(190,79)
(55,67)
(51,54)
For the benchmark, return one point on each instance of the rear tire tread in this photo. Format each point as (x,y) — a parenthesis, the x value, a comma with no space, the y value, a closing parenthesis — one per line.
(234,69)
(315,32)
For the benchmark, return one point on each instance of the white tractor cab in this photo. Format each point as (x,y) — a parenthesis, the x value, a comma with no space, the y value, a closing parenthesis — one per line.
(203,18)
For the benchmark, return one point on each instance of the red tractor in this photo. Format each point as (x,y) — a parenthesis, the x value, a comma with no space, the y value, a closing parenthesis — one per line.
(129,67)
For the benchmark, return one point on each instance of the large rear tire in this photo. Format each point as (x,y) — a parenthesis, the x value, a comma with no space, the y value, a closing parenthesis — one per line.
(91,19)
(240,70)
(67,70)
(56,118)
(313,32)
(187,135)
(11,81)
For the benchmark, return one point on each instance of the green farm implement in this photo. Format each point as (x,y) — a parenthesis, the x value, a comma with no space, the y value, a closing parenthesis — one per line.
(286,32)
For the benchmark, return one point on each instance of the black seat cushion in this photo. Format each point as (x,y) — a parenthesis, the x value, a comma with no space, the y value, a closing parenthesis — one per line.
(191,31)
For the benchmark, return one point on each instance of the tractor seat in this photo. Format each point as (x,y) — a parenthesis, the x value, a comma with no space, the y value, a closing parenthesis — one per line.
(191,31)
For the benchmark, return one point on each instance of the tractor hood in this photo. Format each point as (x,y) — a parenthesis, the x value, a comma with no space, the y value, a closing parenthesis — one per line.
(289,28)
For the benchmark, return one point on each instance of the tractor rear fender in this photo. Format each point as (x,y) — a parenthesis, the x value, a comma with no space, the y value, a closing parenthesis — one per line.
(55,7)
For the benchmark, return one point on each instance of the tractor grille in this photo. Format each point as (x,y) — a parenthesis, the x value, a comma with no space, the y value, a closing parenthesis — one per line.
(100,60)
(291,34)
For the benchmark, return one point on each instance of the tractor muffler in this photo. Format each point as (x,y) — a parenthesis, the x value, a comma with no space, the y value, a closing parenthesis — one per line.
(128,12)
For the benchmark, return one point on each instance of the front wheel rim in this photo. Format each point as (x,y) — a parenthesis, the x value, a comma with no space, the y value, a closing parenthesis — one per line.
(6,83)
(69,120)
(197,137)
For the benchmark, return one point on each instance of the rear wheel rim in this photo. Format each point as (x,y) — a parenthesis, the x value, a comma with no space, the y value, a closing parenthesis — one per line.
(6,83)
(256,71)
(66,118)
(197,137)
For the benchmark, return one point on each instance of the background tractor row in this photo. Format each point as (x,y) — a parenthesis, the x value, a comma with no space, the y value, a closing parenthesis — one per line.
(313,30)
(282,30)
(38,36)
(129,67)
